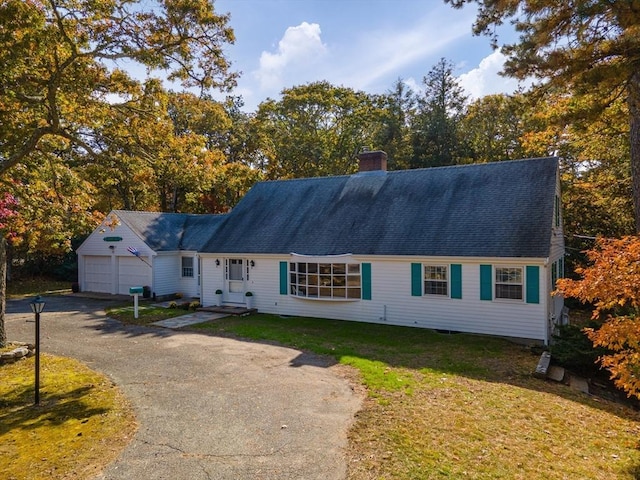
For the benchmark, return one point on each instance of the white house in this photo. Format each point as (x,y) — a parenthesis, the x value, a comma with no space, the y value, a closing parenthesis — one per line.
(473,248)
(157,250)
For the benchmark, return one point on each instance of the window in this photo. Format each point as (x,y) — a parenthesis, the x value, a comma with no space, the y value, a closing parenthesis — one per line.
(436,280)
(187,266)
(325,280)
(509,283)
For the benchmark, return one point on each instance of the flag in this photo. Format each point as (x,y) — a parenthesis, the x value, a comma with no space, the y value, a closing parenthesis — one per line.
(133,251)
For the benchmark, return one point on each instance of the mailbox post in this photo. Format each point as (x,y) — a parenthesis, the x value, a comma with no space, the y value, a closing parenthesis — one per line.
(135,291)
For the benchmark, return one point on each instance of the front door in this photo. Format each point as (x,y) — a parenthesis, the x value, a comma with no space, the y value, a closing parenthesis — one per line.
(236,277)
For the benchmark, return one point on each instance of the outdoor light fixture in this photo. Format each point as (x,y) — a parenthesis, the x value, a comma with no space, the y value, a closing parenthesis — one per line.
(217,262)
(252,263)
(37,306)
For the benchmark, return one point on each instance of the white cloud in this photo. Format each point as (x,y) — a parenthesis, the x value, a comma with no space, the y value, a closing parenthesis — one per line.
(299,48)
(485,80)
(379,54)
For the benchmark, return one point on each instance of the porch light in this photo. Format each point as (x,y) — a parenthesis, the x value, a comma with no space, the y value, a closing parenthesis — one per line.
(252,263)
(217,262)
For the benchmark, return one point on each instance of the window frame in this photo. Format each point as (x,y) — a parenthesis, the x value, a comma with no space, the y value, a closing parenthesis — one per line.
(325,280)
(521,283)
(446,282)
(186,270)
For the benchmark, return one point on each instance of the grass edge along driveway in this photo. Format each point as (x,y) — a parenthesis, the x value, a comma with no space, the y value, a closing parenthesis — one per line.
(458,406)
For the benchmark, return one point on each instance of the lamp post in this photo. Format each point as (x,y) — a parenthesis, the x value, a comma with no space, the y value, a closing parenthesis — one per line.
(37,306)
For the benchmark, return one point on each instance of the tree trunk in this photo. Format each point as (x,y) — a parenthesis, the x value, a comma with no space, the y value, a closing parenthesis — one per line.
(634,134)
(3,289)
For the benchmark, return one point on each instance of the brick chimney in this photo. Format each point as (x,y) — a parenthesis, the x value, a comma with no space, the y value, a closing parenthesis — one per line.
(371,161)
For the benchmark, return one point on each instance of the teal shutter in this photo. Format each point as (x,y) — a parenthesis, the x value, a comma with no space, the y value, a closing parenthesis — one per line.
(366,281)
(284,272)
(533,284)
(456,280)
(486,282)
(416,279)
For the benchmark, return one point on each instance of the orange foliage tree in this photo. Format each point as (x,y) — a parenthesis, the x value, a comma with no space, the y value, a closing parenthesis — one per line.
(612,284)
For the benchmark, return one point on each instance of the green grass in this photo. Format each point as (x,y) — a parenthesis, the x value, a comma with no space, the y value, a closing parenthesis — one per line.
(36,286)
(458,406)
(81,424)
(146,314)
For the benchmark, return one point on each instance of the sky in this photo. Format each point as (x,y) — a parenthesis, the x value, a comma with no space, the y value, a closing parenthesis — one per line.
(366,45)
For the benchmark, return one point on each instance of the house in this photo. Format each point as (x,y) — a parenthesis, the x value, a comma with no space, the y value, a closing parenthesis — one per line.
(158,250)
(472,248)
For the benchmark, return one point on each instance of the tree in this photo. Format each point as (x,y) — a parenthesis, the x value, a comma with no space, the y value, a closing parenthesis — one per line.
(60,79)
(492,128)
(584,45)
(314,130)
(8,206)
(397,109)
(59,76)
(612,284)
(436,139)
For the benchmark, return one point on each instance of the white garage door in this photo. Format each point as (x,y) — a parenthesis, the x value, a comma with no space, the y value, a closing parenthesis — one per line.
(97,274)
(132,272)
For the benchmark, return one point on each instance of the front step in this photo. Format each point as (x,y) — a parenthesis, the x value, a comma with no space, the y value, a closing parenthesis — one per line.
(229,310)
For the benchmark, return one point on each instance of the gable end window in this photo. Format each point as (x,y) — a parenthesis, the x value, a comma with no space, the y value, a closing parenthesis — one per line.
(436,280)
(337,281)
(187,266)
(509,283)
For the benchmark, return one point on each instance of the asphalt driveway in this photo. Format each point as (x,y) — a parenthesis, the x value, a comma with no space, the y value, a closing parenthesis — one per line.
(208,407)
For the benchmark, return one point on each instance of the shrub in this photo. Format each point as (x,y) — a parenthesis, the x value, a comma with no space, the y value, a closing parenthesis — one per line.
(194,305)
(573,350)
(173,305)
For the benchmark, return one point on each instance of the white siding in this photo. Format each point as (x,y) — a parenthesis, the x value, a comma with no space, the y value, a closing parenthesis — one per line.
(188,285)
(392,301)
(166,269)
(95,245)
(132,272)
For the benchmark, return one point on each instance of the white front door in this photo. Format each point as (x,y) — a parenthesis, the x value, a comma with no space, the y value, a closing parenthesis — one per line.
(235,273)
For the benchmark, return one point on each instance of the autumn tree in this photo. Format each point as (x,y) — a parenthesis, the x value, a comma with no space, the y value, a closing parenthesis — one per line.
(436,135)
(60,78)
(612,284)
(584,45)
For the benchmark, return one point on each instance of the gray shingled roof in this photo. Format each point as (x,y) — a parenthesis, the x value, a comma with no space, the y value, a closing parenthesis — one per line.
(171,231)
(501,209)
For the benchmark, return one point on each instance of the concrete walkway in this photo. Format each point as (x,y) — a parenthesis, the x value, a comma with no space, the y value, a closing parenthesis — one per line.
(208,407)
(188,319)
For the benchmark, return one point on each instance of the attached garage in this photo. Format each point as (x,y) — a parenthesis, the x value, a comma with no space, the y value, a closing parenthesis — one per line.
(138,249)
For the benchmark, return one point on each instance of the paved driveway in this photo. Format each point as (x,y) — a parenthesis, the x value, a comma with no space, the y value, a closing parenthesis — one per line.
(208,407)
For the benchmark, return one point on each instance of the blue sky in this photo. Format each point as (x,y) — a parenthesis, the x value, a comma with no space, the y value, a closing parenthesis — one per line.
(362,44)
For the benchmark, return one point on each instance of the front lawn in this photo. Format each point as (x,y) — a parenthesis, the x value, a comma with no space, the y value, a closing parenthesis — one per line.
(147,314)
(81,424)
(458,406)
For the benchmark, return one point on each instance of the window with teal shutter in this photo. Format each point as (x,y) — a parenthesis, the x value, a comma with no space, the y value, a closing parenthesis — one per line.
(283,277)
(456,280)
(366,281)
(416,279)
(533,284)
(486,281)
